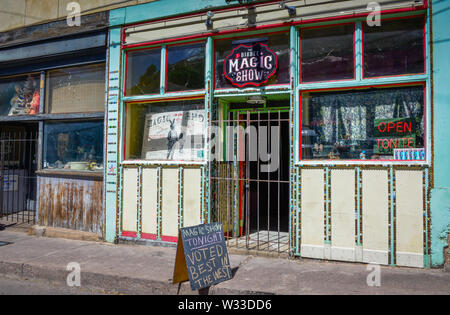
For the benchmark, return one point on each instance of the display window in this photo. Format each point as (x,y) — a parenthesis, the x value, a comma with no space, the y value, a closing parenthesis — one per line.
(73,146)
(76,90)
(252,61)
(165,130)
(396,47)
(327,53)
(185,67)
(143,72)
(364,124)
(20,95)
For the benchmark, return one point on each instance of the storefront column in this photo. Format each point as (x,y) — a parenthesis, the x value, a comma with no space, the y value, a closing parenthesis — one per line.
(112,137)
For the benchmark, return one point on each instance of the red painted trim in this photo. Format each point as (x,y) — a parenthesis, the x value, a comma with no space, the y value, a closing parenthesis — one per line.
(251,83)
(354,53)
(204,35)
(129,234)
(149,236)
(241,194)
(126,69)
(187,43)
(171,239)
(167,65)
(287,85)
(366,87)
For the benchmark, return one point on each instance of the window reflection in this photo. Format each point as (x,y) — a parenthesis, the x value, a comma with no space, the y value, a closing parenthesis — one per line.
(143,72)
(327,53)
(394,48)
(186,67)
(73,145)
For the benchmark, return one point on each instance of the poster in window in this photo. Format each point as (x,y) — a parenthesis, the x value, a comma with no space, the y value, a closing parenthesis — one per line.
(20,96)
(176,135)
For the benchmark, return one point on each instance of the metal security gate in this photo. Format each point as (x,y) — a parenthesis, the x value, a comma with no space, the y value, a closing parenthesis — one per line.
(17,175)
(250,183)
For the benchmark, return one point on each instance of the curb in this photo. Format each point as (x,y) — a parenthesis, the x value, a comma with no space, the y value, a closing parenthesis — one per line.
(111,283)
(46,231)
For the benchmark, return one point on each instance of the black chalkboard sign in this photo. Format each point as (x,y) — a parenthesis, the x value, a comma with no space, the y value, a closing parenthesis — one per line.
(202,256)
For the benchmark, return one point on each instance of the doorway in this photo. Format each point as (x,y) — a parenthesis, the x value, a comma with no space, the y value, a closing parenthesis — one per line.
(251,186)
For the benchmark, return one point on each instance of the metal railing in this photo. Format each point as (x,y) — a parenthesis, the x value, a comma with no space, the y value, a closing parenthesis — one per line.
(18,194)
(252,201)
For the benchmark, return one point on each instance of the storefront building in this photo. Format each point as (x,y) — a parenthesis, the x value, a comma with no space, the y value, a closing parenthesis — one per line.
(52,108)
(303,127)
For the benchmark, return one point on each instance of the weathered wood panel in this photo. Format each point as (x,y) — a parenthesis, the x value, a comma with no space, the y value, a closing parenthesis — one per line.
(71,203)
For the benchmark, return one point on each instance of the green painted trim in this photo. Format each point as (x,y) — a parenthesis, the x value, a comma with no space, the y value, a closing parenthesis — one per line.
(358,52)
(112,177)
(392,219)
(407,79)
(162,79)
(358,207)
(163,97)
(260,110)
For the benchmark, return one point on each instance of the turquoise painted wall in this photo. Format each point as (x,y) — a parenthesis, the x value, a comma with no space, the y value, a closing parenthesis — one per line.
(440,194)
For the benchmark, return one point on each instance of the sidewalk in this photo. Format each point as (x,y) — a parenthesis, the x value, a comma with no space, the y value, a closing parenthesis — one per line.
(138,269)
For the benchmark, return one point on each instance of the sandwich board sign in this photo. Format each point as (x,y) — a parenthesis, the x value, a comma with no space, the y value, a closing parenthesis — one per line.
(202,256)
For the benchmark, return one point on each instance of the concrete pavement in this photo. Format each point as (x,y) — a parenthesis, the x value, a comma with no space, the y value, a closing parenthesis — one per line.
(138,269)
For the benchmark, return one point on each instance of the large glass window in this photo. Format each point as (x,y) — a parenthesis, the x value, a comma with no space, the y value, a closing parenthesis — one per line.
(327,53)
(377,124)
(186,67)
(20,95)
(143,74)
(73,145)
(166,131)
(76,90)
(279,43)
(394,48)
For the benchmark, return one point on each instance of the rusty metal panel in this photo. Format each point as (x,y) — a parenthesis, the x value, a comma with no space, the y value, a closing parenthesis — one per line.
(71,203)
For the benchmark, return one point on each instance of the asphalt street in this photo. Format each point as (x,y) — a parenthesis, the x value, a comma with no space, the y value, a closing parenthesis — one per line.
(15,286)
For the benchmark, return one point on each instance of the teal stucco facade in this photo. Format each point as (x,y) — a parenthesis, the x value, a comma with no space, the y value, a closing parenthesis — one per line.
(436,170)
(440,193)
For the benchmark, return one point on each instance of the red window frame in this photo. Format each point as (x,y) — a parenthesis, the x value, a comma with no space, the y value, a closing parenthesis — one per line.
(381,86)
(300,52)
(166,66)
(424,48)
(126,52)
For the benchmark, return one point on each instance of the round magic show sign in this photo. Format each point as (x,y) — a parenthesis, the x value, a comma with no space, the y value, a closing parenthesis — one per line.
(250,65)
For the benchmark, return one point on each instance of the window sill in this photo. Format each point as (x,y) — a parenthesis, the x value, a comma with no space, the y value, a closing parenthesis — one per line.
(71,174)
(162,163)
(385,163)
